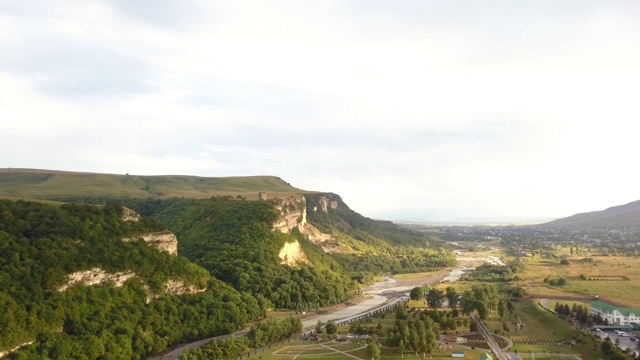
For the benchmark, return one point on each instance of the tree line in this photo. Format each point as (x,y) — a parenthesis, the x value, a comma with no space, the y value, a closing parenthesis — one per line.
(261,334)
(579,312)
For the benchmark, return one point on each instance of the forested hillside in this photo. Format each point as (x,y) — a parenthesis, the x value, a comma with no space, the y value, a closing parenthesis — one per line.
(373,246)
(233,239)
(230,265)
(41,244)
(374,233)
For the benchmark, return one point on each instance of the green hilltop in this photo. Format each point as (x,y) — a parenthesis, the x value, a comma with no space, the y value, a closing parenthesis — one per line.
(65,185)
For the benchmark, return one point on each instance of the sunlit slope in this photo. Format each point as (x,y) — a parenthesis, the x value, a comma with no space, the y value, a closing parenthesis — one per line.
(48,184)
(627,215)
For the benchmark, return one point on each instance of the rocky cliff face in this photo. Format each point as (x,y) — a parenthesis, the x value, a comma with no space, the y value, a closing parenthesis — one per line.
(96,276)
(293,213)
(130,215)
(292,254)
(329,243)
(164,240)
(179,287)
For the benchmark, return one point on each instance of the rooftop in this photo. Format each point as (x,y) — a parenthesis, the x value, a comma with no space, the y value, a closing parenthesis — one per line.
(608,308)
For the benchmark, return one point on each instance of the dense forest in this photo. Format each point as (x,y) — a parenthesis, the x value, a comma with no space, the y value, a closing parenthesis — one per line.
(261,334)
(232,238)
(498,273)
(40,244)
(227,249)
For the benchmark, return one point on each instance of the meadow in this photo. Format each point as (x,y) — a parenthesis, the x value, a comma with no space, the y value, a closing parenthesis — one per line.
(49,184)
(338,351)
(613,278)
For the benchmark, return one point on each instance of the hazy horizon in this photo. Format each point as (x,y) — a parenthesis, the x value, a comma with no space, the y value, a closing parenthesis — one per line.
(417,216)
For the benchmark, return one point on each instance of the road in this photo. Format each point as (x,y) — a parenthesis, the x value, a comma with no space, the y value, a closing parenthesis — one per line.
(624,342)
(380,292)
(372,303)
(492,343)
(364,307)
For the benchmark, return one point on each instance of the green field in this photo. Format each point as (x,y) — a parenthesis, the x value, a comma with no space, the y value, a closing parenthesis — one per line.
(543,326)
(621,283)
(328,350)
(546,352)
(539,324)
(48,184)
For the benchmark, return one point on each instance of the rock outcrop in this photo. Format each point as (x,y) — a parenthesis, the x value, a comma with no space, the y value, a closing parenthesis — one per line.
(129,215)
(327,202)
(327,242)
(163,240)
(173,287)
(292,254)
(6,353)
(324,204)
(180,287)
(96,276)
(293,214)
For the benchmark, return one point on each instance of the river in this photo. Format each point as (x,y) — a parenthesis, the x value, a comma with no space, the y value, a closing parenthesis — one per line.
(379,293)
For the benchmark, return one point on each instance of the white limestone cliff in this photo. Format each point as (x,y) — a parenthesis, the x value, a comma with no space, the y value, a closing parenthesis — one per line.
(294,215)
(180,287)
(96,276)
(129,215)
(291,254)
(163,240)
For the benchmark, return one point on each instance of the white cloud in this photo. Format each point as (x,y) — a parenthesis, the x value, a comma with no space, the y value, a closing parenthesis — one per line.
(458,108)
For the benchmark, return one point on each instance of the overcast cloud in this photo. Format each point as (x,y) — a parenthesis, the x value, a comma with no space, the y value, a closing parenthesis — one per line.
(452,108)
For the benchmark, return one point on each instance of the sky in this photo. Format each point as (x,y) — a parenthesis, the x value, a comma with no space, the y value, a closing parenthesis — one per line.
(420,109)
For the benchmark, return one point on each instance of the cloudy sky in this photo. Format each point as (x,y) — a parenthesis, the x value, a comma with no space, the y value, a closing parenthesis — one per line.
(436,109)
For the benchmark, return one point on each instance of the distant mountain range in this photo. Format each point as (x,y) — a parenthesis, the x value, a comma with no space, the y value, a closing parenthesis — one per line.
(452,217)
(627,215)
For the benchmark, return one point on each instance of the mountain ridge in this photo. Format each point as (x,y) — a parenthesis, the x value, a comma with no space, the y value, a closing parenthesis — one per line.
(72,185)
(234,243)
(627,215)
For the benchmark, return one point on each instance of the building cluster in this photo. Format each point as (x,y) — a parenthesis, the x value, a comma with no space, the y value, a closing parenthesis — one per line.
(615,315)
